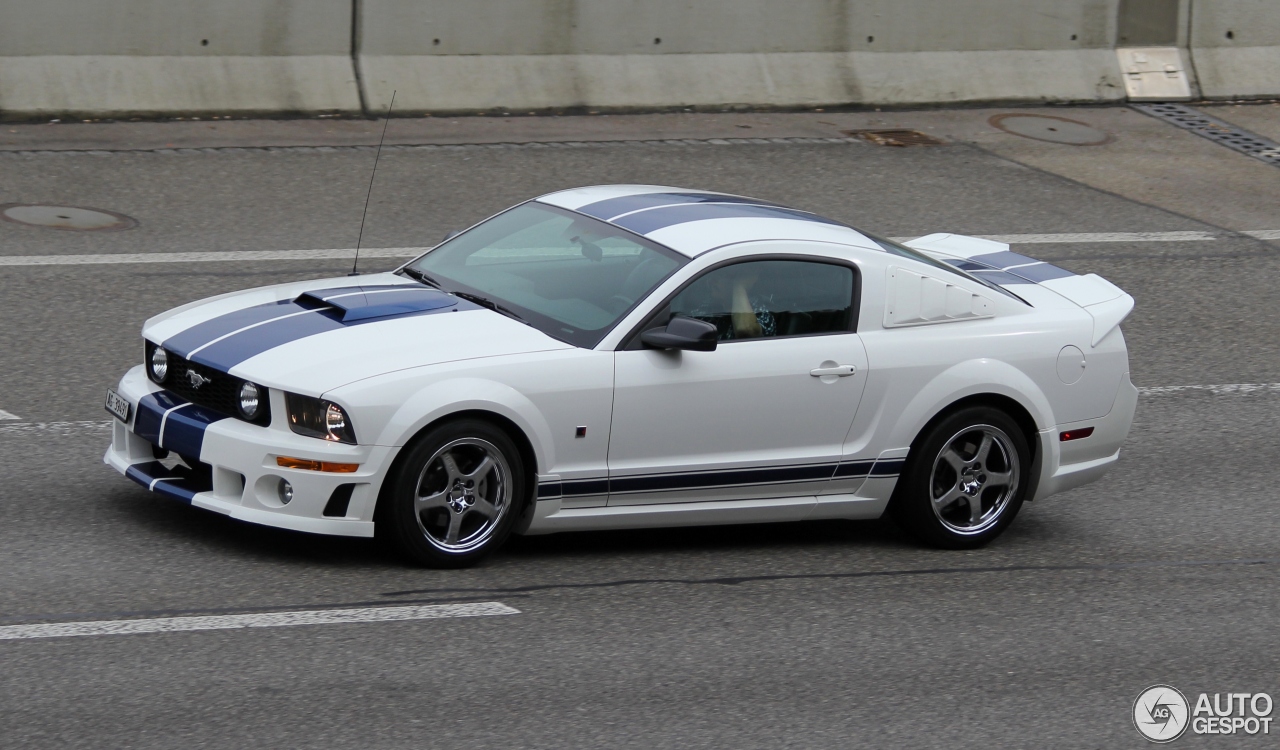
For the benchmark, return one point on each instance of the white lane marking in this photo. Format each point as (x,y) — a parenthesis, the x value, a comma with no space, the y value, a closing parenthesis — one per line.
(8,415)
(234,256)
(1228,389)
(262,620)
(57,428)
(227,256)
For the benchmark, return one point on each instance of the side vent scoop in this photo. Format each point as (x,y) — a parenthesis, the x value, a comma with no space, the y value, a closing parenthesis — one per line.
(361,303)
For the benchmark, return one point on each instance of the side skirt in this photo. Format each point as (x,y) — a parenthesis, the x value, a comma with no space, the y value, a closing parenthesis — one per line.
(550,517)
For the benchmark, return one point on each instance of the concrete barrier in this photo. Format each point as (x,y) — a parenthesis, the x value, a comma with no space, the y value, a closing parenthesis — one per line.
(121,57)
(483,54)
(1235,47)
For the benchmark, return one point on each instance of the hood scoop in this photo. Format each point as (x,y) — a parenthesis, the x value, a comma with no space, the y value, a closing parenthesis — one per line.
(349,304)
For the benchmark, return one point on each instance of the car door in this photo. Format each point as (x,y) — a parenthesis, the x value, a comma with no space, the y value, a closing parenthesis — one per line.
(762,416)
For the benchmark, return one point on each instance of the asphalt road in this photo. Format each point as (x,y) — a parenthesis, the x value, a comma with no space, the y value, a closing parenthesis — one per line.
(831,634)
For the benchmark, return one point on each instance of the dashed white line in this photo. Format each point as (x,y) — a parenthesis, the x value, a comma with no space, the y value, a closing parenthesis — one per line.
(259,620)
(245,256)
(87,427)
(1227,389)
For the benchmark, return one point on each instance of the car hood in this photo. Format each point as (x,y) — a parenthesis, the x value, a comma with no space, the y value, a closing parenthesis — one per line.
(312,337)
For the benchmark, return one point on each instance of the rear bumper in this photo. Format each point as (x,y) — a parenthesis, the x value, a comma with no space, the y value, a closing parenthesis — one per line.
(241,477)
(1074,463)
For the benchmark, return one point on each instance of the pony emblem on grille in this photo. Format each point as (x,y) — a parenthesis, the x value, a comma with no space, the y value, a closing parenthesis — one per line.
(196,379)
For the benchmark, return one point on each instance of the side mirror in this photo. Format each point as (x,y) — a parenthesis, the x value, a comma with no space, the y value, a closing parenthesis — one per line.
(682,333)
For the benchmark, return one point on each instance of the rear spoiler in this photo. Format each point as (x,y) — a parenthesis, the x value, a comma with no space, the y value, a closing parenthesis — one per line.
(992,261)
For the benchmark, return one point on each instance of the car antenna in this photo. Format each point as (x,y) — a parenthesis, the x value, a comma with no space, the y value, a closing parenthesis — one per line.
(368,195)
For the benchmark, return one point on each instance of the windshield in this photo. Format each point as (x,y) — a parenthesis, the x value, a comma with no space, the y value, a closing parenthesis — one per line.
(570,276)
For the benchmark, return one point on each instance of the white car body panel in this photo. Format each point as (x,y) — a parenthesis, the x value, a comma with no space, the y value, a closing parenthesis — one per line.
(671,438)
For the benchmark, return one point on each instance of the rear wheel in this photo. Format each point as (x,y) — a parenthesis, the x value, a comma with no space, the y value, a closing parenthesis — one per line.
(456,495)
(964,482)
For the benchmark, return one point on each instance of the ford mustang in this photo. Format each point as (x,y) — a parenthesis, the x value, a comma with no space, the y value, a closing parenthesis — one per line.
(630,356)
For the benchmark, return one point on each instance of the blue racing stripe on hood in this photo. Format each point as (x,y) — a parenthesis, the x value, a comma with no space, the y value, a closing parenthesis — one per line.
(227,340)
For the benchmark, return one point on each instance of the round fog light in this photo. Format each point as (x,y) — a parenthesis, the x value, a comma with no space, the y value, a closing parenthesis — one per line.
(250,398)
(285,491)
(159,364)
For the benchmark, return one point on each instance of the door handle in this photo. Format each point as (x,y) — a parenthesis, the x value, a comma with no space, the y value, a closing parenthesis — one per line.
(843,371)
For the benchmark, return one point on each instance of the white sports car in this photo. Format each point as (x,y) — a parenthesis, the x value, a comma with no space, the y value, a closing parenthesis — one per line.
(636,356)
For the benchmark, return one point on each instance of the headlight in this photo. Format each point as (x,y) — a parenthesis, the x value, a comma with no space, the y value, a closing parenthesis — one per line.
(318,418)
(250,401)
(158,365)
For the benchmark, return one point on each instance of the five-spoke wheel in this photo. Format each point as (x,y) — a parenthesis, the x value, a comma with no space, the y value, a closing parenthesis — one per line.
(456,494)
(964,480)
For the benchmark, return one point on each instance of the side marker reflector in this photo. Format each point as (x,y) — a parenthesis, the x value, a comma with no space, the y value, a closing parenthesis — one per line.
(1083,432)
(309,465)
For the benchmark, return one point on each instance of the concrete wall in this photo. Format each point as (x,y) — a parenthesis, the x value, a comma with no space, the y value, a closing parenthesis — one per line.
(117,57)
(480,54)
(1235,47)
(154,56)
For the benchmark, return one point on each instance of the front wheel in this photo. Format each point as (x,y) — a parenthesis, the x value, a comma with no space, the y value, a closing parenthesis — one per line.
(456,495)
(965,481)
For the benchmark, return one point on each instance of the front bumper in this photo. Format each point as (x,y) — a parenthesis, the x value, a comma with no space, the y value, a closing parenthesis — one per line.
(240,476)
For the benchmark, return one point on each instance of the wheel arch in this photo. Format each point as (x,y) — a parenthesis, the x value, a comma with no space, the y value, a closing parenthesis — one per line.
(1003,403)
(528,456)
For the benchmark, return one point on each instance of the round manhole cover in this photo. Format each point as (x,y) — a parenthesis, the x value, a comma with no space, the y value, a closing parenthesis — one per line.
(1052,129)
(65,217)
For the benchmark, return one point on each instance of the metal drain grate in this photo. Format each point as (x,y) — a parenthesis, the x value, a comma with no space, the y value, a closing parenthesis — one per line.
(1231,136)
(897,138)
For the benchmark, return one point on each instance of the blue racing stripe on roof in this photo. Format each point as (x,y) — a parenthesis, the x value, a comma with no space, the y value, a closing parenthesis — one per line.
(652,220)
(612,208)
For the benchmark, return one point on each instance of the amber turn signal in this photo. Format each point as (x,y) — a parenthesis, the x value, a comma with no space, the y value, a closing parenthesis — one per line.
(309,465)
(1083,432)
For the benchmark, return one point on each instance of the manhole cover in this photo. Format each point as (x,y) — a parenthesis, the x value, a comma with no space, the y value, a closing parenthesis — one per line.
(898,138)
(1052,129)
(65,217)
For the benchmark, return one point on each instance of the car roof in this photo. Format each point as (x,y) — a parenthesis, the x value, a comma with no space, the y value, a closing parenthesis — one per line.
(691,222)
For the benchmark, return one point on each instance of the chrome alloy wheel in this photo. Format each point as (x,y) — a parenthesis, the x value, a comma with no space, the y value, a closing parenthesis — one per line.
(462,494)
(974,479)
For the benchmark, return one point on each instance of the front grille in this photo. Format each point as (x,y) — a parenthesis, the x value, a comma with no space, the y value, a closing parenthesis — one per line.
(218,390)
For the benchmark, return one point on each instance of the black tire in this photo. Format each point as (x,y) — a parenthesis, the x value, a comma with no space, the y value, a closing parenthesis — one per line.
(945,475)
(451,518)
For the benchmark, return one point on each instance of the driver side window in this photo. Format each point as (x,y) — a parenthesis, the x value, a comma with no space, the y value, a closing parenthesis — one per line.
(771,299)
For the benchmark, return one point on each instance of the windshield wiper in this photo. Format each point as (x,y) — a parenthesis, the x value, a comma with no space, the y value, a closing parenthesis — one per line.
(486,302)
(419,276)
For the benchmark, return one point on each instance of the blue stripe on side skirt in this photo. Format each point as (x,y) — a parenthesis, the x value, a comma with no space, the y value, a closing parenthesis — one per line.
(888,467)
(854,469)
(549,491)
(646,222)
(770,475)
(612,208)
(585,487)
(184,430)
(150,412)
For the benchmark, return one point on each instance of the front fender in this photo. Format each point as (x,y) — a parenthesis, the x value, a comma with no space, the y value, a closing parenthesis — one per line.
(442,398)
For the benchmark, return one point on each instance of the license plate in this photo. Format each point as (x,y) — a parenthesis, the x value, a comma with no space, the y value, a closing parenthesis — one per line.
(118,406)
